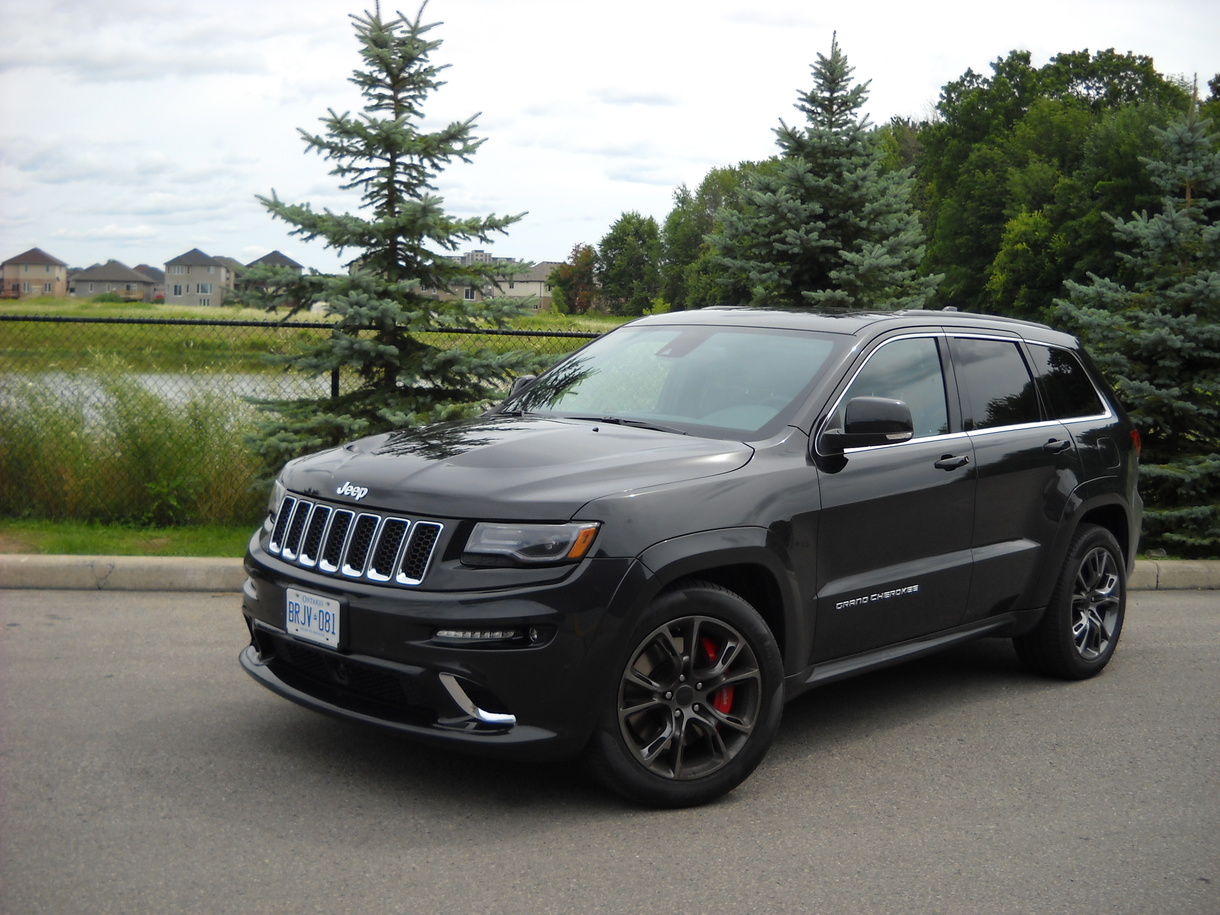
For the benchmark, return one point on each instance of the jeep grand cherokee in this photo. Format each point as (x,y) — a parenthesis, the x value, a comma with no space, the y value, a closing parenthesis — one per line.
(643,553)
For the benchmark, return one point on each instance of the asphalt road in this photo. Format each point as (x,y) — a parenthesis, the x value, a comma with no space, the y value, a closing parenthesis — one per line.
(142,771)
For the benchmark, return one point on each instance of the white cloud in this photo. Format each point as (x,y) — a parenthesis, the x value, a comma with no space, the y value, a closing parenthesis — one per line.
(138,130)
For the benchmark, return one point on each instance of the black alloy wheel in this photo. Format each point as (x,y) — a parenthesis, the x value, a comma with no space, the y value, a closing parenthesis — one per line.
(1079,632)
(696,703)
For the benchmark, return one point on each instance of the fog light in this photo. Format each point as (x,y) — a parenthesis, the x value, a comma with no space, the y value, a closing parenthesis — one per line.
(478,635)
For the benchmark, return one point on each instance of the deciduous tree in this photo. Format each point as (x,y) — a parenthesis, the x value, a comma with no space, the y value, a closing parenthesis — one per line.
(628,264)
(573,283)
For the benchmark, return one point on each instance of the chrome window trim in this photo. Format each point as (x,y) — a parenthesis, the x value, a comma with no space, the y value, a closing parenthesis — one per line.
(916,335)
(1107,410)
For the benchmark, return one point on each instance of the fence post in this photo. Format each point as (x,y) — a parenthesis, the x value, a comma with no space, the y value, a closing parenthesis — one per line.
(334,382)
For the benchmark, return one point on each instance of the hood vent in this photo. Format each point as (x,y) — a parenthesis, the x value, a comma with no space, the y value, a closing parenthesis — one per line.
(357,545)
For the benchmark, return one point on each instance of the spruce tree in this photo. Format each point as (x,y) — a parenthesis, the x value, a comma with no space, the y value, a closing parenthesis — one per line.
(403,279)
(828,226)
(1154,328)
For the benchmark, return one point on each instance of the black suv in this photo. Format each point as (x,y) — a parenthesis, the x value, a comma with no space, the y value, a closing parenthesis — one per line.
(643,552)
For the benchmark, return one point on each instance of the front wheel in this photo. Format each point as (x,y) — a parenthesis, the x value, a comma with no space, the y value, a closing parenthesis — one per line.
(1079,631)
(695,703)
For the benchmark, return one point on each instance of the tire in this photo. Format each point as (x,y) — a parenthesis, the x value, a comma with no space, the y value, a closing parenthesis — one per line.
(681,727)
(1079,631)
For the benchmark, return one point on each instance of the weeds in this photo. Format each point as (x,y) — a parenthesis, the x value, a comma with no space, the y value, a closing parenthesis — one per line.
(111,450)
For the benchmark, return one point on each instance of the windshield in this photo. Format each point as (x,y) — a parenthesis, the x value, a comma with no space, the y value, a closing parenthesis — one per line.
(720,382)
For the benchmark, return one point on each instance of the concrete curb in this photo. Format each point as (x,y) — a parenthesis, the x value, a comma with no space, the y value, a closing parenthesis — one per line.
(171,573)
(120,573)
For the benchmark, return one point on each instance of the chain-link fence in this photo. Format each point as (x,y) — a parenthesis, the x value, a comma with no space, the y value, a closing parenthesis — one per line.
(141,419)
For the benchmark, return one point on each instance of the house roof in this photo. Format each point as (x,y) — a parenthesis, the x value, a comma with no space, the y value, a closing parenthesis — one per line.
(111,272)
(156,274)
(276,259)
(538,273)
(35,256)
(194,258)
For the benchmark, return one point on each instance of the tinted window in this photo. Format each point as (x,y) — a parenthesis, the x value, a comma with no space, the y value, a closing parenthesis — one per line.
(1066,383)
(996,383)
(910,371)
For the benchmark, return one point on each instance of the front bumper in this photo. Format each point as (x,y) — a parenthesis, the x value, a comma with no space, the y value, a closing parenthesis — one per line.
(528,699)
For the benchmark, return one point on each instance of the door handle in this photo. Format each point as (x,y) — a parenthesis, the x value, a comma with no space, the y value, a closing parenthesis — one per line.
(1057,446)
(952,462)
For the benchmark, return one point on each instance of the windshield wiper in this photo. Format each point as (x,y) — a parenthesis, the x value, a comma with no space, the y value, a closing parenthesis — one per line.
(633,423)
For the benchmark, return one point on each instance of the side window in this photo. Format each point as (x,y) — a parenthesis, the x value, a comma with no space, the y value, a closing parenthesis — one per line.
(910,371)
(1065,382)
(997,387)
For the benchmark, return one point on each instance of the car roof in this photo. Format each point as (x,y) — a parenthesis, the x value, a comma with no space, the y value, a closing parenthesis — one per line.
(855,322)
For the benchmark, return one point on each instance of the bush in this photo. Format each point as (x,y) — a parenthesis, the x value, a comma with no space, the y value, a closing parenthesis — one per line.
(109,450)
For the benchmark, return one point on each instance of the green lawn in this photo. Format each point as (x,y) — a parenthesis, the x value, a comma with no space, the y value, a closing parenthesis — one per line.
(74,538)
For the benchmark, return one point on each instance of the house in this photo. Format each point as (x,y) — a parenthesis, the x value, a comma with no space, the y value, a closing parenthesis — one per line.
(276,259)
(509,285)
(534,283)
(195,278)
(33,273)
(157,275)
(113,277)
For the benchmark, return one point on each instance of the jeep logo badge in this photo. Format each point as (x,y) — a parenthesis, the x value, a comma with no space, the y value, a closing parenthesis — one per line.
(356,492)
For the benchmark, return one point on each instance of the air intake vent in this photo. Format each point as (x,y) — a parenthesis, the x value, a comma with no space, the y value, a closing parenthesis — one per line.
(359,546)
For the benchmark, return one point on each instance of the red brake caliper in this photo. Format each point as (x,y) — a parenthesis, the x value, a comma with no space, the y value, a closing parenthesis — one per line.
(722,699)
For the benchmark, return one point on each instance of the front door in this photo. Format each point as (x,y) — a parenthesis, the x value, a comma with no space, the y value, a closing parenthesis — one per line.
(894,530)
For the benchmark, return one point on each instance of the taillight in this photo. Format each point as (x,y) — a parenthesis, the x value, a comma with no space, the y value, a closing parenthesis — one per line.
(1136,442)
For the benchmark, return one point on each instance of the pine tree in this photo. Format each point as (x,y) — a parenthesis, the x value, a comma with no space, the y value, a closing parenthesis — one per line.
(1155,329)
(828,226)
(404,278)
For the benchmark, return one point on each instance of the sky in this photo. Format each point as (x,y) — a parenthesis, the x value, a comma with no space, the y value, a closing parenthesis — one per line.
(136,130)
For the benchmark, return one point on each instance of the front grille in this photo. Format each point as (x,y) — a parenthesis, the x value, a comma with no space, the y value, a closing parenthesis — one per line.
(363,545)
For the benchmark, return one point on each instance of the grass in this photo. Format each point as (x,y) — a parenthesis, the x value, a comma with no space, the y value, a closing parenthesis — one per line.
(125,455)
(37,346)
(78,538)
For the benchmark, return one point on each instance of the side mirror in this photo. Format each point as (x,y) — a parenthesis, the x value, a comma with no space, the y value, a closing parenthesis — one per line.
(868,422)
(520,383)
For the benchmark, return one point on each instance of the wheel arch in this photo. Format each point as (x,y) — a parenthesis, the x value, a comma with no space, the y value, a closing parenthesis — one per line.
(740,561)
(1114,518)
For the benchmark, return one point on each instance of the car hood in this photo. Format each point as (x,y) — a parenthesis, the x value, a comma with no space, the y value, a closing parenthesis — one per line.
(522,468)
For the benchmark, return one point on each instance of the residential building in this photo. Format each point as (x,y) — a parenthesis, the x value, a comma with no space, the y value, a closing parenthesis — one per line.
(33,273)
(510,285)
(195,278)
(113,277)
(157,275)
(276,259)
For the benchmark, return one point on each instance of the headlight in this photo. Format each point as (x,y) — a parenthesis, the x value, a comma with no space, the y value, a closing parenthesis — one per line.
(278,491)
(495,544)
(277,495)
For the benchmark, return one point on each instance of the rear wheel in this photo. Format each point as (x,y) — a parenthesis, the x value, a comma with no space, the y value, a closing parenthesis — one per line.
(1079,631)
(696,700)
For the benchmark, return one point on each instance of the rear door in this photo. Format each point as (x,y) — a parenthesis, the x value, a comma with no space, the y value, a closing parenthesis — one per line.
(1028,469)
(894,530)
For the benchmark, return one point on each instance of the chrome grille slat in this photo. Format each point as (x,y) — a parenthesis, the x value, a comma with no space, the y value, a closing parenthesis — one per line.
(368,546)
(336,541)
(418,554)
(296,529)
(318,520)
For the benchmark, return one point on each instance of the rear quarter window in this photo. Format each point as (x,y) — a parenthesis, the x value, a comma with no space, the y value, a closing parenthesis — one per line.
(1069,390)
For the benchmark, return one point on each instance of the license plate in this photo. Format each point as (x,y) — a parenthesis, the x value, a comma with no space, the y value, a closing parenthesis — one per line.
(312,617)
